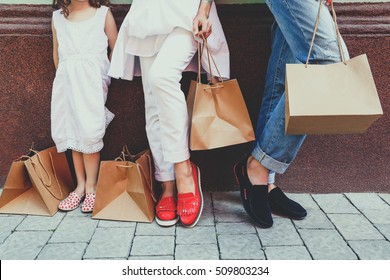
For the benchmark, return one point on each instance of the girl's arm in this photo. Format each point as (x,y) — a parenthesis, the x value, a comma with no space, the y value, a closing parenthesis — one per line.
(201,24)
(111,31)
(55,45)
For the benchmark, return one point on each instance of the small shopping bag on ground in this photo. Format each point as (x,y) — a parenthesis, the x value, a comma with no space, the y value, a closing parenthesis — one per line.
(36,183)
(338,98)
(125,189)
(19,196)
(217,112)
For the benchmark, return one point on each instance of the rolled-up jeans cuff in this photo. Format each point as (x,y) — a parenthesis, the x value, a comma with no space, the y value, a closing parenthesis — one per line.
(271,178)
(164,176)
(269,162)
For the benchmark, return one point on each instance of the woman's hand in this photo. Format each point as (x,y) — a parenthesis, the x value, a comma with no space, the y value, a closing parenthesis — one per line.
(202,24)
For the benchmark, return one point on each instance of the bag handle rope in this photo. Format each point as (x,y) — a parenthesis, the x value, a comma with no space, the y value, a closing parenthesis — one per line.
(125,153)
(148,178)
(26,156)
(23,157)
(337,33)
(47,185)
(209,59)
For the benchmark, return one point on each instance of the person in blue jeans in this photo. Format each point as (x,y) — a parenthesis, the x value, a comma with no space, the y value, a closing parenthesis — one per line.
(274,151)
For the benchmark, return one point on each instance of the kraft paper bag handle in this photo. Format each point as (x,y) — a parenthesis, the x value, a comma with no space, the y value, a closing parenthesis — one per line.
(39,174)
(337,33)
(149,179)
(28,155)
(22,158)
(209,59)
(200,53)
(122,157)
(125,152)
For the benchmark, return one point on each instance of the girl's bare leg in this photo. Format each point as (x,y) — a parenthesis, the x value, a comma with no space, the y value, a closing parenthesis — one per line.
(80,172)
(91,163)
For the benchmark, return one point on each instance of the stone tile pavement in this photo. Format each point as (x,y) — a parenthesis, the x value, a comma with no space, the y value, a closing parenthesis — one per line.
(343,226)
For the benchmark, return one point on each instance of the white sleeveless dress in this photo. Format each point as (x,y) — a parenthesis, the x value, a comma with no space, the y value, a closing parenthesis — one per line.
(149,22)
(78,114)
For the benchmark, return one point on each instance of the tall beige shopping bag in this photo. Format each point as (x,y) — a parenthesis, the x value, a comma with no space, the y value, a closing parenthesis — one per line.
(125,189)
(339,98)
(36,183)
(217,113)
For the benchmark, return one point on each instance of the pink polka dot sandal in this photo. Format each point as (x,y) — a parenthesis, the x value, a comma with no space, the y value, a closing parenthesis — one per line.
(89,201)
(71,202)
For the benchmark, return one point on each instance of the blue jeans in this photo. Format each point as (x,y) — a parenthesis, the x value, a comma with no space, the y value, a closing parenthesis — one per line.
(292,32)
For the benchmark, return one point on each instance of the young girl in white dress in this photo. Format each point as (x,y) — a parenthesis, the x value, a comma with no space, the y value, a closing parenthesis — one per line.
(82,31)
(159,39)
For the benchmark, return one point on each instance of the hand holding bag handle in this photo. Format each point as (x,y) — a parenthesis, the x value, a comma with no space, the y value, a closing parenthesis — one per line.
(337,33)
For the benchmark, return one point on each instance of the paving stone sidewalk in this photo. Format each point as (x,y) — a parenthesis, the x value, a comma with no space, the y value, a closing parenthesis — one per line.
(345,226)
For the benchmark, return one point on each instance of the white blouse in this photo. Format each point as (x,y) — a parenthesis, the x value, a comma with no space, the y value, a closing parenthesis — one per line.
(149,22)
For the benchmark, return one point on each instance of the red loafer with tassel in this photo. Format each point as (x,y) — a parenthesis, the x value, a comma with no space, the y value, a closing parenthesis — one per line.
(190,205)
(166,214)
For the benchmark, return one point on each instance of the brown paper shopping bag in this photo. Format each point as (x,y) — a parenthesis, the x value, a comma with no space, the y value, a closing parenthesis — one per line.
(217,113)
(125,189)
(36,183)
(19,196)
(338,98)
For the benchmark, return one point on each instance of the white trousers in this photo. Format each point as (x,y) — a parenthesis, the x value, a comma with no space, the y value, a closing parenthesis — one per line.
(165,104)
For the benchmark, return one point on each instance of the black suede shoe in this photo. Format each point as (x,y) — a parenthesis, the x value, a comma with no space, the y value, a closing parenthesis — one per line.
(254,198)
(283,206)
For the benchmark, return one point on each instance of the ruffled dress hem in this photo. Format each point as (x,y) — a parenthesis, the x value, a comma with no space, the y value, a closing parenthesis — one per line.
(79,146)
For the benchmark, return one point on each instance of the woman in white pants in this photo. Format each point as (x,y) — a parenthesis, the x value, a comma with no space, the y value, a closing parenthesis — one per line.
(163,34)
